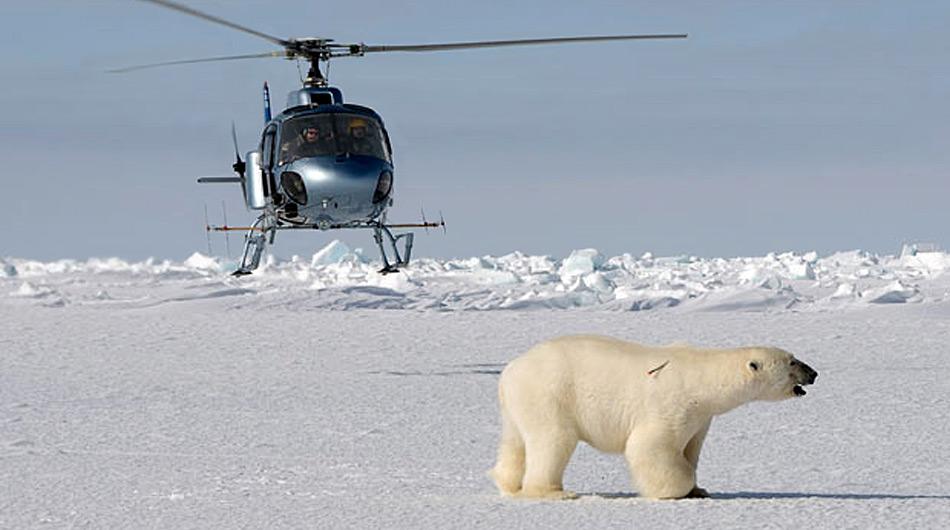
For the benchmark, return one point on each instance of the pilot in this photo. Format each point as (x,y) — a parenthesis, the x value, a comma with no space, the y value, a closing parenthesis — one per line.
(309,141)
(305,145)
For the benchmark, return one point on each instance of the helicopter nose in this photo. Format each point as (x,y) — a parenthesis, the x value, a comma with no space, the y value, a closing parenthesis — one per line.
(341,187)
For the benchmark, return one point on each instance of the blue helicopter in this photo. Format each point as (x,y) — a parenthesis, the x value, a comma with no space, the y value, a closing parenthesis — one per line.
(323,163)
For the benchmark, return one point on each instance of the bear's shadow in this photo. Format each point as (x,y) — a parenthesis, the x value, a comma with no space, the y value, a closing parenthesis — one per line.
(772,495)
(455,369)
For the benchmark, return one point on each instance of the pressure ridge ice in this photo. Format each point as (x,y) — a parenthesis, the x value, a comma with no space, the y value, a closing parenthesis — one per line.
(340,278)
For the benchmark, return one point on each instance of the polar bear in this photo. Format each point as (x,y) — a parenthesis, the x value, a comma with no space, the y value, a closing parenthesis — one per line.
(653,404)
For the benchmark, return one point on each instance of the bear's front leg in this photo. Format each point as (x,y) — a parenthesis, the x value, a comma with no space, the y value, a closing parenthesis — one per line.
(691,452)
(658,465)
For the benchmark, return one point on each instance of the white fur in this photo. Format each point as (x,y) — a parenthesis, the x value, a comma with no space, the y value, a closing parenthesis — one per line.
(600,390)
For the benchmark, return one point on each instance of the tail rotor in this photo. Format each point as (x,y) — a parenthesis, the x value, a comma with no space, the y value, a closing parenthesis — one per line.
(239,166)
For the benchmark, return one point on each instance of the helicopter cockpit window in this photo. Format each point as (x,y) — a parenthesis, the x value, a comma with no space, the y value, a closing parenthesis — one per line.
(268,148)
(331,135)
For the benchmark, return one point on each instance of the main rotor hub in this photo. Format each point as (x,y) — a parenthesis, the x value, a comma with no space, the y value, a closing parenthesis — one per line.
(310,47)
(315,50)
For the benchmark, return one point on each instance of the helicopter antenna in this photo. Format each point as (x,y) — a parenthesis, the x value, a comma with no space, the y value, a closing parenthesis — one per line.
(267,114)
(208,231)
(227,239)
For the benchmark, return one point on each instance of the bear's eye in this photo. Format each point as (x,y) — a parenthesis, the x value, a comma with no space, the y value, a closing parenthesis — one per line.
(754,365)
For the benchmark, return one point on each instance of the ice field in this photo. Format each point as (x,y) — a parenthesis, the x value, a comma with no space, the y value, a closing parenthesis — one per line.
(319,394)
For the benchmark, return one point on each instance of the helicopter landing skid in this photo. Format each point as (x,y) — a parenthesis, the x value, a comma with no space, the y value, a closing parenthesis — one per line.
(265,228)
(401,259)
(254,242)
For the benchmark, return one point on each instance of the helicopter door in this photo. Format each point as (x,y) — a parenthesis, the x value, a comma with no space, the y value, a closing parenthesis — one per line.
(267,160)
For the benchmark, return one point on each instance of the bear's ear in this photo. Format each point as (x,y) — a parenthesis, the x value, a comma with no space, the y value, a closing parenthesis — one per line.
(753,366)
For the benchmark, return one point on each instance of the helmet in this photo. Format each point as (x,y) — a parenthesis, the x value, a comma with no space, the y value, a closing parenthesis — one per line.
(356,123)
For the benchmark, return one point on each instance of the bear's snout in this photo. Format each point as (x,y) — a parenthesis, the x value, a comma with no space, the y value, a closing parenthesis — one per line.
(807,373)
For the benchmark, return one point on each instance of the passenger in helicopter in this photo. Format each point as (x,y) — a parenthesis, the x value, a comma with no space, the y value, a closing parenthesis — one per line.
(358,141)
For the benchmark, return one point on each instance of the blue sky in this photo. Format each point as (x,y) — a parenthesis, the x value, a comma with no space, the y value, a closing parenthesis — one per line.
(776,126)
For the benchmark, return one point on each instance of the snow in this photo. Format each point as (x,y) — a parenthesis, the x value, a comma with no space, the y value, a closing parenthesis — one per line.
(335,252)
(580,263)
(7,270)
(585,278)
(319,393)
(893,293)
(199,261)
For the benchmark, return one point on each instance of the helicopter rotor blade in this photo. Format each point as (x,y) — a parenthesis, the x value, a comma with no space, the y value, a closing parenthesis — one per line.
(237,154)
(517,42)
(219,180)
(239,166)
(217,20)
(191,61)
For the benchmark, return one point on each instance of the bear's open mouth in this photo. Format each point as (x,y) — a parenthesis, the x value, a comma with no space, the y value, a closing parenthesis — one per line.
(798,390)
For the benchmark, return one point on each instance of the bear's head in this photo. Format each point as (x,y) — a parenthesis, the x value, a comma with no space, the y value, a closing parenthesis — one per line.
(775,374)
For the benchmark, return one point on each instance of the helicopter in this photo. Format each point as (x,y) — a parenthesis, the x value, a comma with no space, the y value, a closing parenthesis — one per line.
(322,163)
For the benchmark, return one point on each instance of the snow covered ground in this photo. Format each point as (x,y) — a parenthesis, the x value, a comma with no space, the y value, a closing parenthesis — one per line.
(339,278)
(319,394)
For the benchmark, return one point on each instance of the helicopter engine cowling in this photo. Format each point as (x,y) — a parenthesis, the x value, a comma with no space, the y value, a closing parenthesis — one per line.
(336,189)
(254,181)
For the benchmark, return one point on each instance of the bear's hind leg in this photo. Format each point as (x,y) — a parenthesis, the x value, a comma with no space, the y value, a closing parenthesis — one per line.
(547,455)
(509,468)
(658,465)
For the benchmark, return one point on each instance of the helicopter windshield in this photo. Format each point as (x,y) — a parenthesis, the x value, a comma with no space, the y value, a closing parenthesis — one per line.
(331,134)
